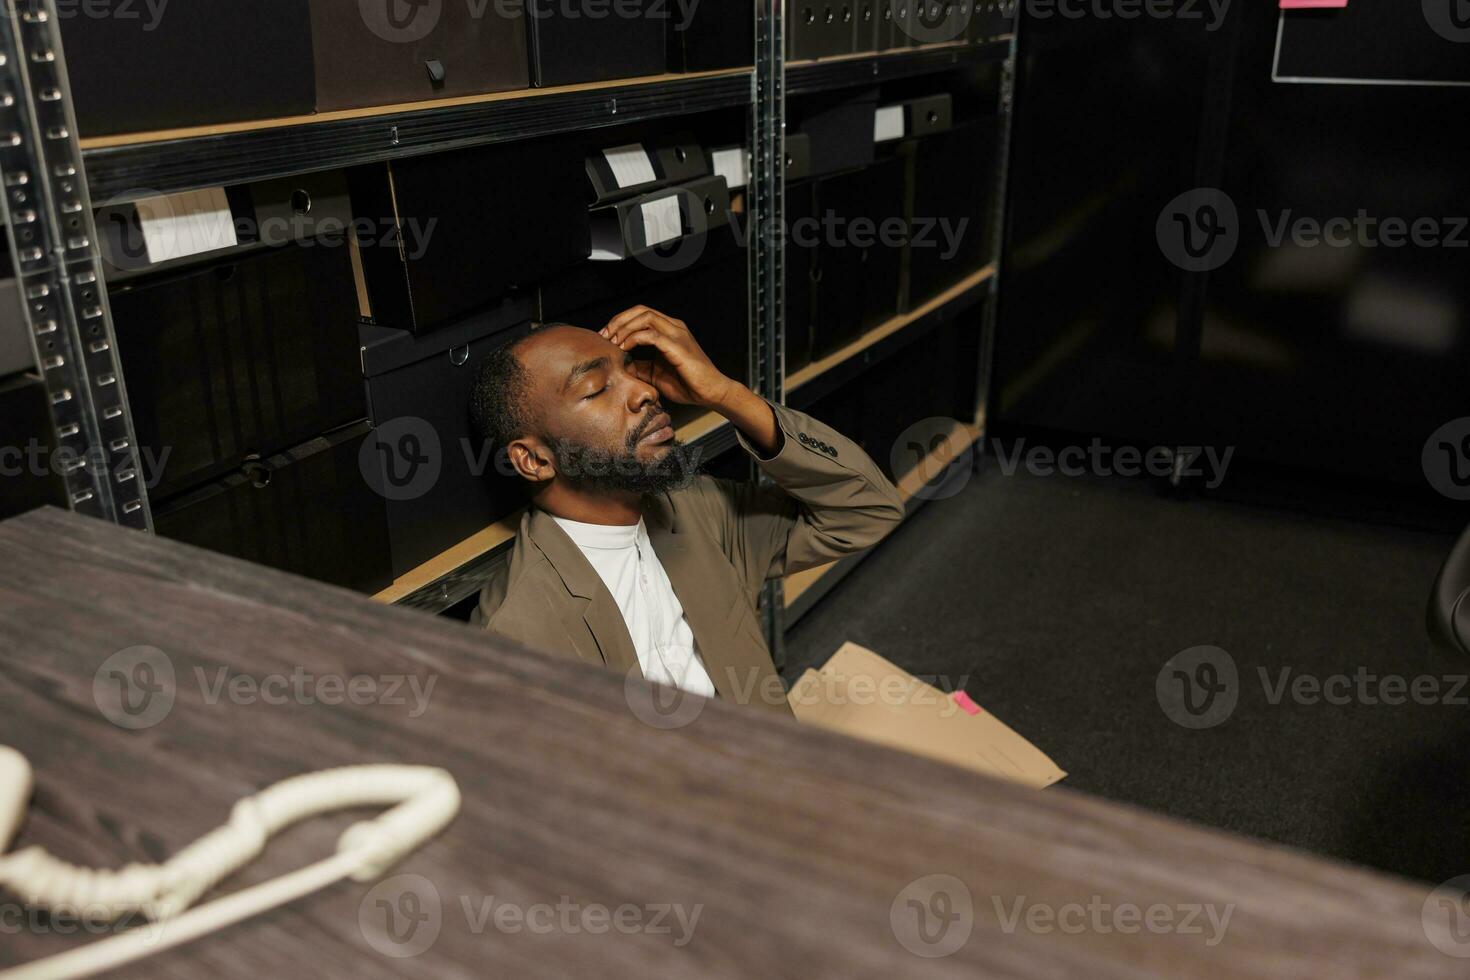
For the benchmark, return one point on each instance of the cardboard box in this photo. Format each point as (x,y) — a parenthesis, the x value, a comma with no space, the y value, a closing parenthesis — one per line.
(858,693)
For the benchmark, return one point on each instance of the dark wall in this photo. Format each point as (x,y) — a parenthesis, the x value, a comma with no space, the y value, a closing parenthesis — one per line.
(1335,361)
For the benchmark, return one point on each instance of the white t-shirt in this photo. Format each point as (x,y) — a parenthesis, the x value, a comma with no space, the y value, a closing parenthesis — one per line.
(624,559)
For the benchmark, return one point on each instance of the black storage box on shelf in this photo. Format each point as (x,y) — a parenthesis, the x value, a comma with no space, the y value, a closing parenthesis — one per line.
(15,341)
(418,389)
(667,219)
(568,46)
(798,161)
(364,57)
(307,510)
(456,232)
(991,19)
(801,211)
(819,28)
(205,61)
(25,425)
(711,36)
(616,172)
(312,208)
(954,180)
(838,127)
(249,355)
(928,114)
(710,295)
(920,382)
(859,263)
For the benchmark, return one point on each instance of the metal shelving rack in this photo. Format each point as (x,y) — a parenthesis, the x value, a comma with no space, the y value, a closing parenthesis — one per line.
(51,176)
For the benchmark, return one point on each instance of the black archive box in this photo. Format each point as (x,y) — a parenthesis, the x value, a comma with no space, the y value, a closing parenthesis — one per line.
(365,56)
(15,341)
(456,232)
(801,268)
(712,36)
(859,261)
(418,389)
(820,28)
(205,61)
(568,46)
(25,421)
(954,178)
(307,510)
(244,356)
(991,19)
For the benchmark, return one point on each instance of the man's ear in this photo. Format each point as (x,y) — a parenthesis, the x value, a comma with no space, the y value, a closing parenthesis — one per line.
(532,459)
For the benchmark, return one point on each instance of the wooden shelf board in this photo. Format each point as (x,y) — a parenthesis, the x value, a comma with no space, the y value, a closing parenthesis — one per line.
(253,125)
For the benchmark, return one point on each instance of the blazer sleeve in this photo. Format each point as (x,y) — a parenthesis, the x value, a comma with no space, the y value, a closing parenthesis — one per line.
(829,500)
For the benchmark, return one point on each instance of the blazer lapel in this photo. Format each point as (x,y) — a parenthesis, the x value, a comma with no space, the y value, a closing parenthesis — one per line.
(593,602)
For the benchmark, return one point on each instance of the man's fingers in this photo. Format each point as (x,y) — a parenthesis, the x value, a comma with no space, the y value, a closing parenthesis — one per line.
(648,320)
(623,318)
(649,337)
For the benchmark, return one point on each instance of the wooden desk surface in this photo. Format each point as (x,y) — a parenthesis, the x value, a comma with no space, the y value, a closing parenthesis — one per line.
(797,850)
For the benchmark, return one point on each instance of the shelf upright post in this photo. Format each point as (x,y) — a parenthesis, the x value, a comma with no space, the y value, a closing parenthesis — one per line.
(53,243)
(766,237)
(999,211)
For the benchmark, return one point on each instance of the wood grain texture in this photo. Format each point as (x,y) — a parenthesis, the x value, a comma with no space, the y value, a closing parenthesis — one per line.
(793,843)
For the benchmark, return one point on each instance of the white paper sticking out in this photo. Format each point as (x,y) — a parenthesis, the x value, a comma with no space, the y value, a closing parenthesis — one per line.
(888,124)
(604,255)
(180,225)
(630,165)
(661,220)
(730,164)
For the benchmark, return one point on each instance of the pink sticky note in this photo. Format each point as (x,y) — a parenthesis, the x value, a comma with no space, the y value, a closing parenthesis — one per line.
(1309,4)
(966,702)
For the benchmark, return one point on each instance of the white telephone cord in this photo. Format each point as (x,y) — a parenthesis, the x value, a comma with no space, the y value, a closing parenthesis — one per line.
(424,801)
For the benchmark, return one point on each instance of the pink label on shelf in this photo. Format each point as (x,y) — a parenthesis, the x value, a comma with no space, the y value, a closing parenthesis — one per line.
(966,702)
(1309,4)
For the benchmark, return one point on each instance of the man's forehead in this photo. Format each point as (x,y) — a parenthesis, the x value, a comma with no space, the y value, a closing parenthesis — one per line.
(552,354)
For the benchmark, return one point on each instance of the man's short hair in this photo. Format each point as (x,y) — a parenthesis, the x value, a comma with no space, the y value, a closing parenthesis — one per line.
(500,400)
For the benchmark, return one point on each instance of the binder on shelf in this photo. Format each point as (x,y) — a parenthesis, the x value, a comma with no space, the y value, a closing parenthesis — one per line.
(418,388)
(232,358)
(621,171)
(954,175)
(839,128)
(800,295)
(457,232)
(859,276)
(798,159)
(568,46)
(158,234)
(928,114)
(639,225)
(991,19)
(364,56)
(306,510)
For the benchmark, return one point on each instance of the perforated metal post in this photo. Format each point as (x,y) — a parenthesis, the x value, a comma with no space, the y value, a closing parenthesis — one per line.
(766,217)
(53,243)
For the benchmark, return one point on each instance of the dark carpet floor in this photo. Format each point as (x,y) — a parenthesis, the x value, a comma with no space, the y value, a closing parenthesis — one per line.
(1057,601)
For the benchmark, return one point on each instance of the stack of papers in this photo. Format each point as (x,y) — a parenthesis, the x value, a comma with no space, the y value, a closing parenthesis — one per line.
(858,693)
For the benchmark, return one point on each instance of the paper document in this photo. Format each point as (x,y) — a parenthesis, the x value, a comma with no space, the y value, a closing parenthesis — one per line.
(858,693)
(180,225)
(630,165)
(661,220)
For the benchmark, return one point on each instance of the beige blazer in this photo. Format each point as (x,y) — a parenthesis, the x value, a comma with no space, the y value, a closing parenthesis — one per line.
(719,541)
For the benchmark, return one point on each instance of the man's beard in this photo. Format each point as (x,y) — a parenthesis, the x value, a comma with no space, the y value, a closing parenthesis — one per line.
(602,471)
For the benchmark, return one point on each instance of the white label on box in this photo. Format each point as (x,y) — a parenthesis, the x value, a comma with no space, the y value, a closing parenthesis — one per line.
(888,124)
(661,220)
(630,165)
(730,164)
(179,225)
